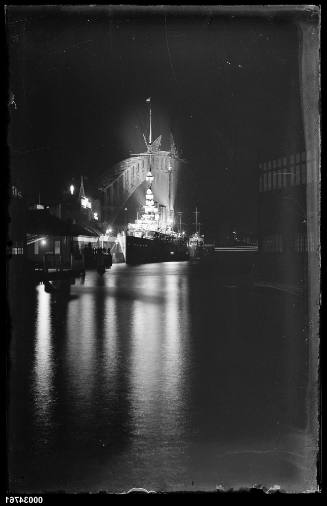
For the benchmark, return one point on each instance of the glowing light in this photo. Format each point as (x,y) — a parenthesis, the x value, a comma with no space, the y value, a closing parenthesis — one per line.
(149,177)
(86,203)
(43,372)
(148,222)
(95,216)
(43,242)
(72,189)
(172,253)
(108,231)
(79,331)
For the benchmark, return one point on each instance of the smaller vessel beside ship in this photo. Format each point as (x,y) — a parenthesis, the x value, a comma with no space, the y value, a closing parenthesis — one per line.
(196,241)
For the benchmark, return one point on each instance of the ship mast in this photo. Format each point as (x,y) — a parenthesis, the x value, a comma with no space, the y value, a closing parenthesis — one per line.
(196,220)
(180,221)
(81,189)
(169,190)
(148,100)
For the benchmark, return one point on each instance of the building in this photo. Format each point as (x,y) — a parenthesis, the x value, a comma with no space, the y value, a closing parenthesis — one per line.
(38,237)
(49,239)
(16,229)
(285,239)
(16,240)
(83,211)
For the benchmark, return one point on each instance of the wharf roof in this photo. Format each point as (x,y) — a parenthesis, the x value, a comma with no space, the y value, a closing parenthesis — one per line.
(41,222)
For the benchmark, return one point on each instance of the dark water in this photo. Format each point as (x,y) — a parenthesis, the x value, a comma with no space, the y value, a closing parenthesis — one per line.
(170,376)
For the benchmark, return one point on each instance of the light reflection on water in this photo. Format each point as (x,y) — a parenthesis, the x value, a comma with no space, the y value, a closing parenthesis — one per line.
(110,354)
(157,382)
(135,383)
(43,372)
(80,353)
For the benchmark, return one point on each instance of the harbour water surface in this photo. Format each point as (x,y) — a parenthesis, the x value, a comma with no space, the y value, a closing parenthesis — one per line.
(169,376)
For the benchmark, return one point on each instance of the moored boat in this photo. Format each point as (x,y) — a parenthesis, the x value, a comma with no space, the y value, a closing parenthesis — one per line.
(150,239)
(196,241)
(196,246)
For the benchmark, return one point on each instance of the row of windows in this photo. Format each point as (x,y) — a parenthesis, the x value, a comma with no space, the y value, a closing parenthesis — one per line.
(273,243)
(293,176)
(303,243)
(283,162)
(17,251)
(141,245)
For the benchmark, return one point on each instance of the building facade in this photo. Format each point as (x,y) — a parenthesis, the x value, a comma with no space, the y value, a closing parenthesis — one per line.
(285,238)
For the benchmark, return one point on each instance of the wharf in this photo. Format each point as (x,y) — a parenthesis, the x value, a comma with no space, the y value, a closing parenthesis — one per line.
(54,275)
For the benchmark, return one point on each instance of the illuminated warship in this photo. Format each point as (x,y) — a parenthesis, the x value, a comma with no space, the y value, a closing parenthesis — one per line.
(152,238)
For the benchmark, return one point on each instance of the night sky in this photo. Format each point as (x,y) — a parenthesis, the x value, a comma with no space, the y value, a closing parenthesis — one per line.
(225,84)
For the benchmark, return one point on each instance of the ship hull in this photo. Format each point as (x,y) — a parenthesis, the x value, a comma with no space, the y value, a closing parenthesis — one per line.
(196,252)
(140,250)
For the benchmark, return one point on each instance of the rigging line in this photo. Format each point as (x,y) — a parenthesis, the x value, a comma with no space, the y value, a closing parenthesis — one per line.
(141,128)
(169,53)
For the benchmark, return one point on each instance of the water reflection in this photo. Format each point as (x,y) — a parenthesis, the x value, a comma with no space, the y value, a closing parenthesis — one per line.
(158,354)
(175,352)
(110,357)
(145,360)
(80,351)
(148,376)
(43,394)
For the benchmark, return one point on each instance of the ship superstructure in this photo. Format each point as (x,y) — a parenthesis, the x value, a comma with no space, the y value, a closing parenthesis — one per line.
(151,237)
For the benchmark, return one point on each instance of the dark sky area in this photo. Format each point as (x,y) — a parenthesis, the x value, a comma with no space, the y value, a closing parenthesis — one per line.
(225,84)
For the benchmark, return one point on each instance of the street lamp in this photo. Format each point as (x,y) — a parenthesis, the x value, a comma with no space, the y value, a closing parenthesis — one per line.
(72,189)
